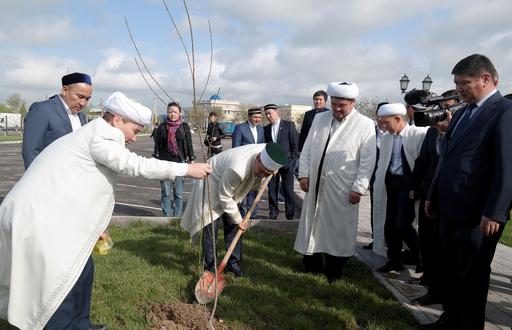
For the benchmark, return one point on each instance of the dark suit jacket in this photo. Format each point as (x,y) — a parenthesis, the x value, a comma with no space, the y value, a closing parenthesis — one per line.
(425,165)
(286,137)
(306,125)
(45,122)
(242,135)
(474,173)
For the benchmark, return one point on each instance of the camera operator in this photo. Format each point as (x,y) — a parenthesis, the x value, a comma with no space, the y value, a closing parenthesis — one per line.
(393,211)
(424,168)
(471,191)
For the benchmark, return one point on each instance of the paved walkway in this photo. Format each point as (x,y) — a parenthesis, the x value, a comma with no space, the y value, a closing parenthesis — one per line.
(499,305)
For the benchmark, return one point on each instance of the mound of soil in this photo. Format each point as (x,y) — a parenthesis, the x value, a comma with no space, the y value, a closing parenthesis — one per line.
(180,316)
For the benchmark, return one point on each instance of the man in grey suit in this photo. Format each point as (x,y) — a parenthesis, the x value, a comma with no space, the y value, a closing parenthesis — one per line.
(249,132)
(282,132)
(48,120)
(472,192)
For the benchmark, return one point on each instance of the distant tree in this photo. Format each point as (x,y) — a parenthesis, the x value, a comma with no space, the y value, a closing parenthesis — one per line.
(3,108)
(16,104)
(367,107)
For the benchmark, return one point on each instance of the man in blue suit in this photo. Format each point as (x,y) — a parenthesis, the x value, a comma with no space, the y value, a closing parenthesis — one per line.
(282,132)
(249,132)
(472,192)
(48,120)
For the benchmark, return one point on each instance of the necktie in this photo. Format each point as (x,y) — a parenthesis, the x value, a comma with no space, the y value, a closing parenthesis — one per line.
(463,121)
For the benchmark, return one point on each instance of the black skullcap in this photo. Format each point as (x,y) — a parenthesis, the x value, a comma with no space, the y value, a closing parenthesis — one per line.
(75,78)
(254,111)
(270,107)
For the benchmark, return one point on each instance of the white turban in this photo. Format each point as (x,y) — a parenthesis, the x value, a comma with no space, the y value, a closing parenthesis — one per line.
(343,90)
(392,109)
(119,104)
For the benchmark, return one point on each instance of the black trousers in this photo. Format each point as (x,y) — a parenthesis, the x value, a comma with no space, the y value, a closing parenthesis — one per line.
(428,232)
(466,257)
(230,230)
(286,175)
(330,265)
(73,313)
(400,215)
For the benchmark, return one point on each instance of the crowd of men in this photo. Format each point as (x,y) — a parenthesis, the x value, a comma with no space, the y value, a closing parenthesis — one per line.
(458,171)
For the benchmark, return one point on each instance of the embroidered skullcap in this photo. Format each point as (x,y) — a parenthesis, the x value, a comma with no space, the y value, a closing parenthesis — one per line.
(392,109)
(270,107)
(254,111)
(343,90)
(119,104)
(273,157)
(75,78)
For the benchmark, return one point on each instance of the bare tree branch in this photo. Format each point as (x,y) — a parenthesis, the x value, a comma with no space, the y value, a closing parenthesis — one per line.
(211,62)
(147,83)
(142,60)
(179,35)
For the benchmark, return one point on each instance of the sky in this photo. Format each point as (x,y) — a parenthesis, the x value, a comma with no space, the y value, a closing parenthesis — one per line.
(264,51)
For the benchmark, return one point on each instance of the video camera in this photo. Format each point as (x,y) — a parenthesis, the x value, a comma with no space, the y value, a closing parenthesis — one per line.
(435,106)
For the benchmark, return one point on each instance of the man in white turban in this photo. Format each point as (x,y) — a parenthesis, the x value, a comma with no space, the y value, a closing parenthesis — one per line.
(336,164)
(53,216)
(235,172)
(393,210)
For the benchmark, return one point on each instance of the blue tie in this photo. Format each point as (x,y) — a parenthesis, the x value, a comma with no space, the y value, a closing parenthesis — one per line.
(466,116)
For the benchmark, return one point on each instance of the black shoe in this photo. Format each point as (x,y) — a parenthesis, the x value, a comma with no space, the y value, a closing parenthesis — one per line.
(237,271)
(425,300)
(98,327)
(290,218)
(368,247)
(390,266)
(272,217)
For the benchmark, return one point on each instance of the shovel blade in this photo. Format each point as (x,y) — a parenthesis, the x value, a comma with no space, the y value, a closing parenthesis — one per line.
(206,288)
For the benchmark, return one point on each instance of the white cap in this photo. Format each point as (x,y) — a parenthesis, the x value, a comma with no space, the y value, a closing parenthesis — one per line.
(392,109)
(343,90)
(273,157)
(119,104)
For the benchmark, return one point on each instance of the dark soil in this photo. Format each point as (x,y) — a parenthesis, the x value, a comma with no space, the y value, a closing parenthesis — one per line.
(180,316)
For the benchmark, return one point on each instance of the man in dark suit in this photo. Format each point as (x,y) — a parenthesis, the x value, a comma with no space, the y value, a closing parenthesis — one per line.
(282,132)
(48,120)
(472,192)
(319,99)
(249,132)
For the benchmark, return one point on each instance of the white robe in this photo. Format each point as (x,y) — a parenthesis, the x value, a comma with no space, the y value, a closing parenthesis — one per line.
(412,138)
(231,179)
(53,216)
(330,224)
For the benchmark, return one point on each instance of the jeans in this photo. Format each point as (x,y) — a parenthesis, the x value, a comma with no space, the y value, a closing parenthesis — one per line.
(177,187)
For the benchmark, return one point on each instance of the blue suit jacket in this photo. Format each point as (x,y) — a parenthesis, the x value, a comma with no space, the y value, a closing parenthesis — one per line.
(242,135)
(287,137)
(474,172)
(45,122)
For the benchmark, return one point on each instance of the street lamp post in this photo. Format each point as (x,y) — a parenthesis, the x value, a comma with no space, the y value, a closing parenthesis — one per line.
(425,84)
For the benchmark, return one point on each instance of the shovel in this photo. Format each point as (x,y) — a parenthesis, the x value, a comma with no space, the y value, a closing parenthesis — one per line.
(210,284)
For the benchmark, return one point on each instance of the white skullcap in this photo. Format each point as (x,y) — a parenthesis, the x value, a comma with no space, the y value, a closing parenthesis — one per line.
(392,109)
(119,104)
(343,90)
(273,157)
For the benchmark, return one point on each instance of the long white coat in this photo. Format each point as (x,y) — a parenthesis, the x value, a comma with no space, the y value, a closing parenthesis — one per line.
(412,138)
(330,224)
(231,179)
(52,217)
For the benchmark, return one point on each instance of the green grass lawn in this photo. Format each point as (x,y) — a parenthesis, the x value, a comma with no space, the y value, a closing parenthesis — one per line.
(157,264)
(506,237)
(10,138)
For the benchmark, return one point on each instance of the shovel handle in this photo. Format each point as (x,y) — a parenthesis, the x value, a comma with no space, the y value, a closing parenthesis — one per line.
(239,233)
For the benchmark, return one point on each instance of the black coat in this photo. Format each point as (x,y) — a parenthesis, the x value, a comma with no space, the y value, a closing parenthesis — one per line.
(286,137)
(183,139)
(306,125)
